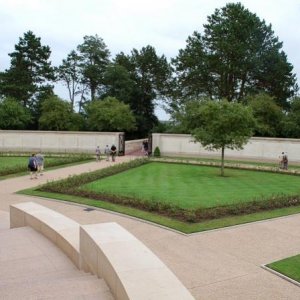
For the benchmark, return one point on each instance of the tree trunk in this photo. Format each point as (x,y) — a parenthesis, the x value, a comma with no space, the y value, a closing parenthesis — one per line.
(222,162)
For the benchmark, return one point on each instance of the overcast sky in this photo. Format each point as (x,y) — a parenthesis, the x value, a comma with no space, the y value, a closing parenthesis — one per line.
(128,24)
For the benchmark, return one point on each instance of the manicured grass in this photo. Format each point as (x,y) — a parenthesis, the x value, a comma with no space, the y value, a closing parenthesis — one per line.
(133,176)
(191,187)
(292,166)
(165,221)
(289,267)
(12,165)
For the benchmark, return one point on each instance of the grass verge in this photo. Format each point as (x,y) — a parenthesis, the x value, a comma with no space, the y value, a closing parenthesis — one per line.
(289,267)
(184,227)
(11,166)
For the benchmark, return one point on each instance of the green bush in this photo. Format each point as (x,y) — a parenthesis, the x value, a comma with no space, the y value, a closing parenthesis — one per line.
(156,152)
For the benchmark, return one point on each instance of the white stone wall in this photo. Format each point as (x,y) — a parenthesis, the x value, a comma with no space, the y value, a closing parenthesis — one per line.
(257,148)
(56,141)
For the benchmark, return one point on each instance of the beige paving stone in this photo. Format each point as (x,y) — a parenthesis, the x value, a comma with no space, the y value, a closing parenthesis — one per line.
(257,243)
(221,264)
(261,285)
(4,220)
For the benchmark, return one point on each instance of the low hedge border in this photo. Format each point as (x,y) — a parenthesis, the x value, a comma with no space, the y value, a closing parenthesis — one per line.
(240,166)
(73,184)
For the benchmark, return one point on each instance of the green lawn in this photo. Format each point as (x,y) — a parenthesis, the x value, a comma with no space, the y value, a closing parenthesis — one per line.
(18,164)
(190,186)
(289,267)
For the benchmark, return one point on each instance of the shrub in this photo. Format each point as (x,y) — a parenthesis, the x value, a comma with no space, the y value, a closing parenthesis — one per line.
(156,152)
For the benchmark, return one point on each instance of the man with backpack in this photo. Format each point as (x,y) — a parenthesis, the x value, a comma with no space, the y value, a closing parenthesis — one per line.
(32,166)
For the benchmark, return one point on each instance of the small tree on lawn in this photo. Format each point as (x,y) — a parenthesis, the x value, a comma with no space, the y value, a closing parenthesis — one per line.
(219,125)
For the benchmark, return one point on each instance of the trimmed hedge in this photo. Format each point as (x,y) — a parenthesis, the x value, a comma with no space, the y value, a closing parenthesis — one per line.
(73,184)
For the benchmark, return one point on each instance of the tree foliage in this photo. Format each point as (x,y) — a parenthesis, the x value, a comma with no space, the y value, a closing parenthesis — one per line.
(13,115)
(57,114)
(94,57)
(291,122)
(150,74)
(219,124)
(267,113)
(237,55)
(30,71)
(109,114)
(118,83)
(70,74)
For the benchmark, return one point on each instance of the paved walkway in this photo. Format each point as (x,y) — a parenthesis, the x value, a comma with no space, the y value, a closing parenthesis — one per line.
(220,264)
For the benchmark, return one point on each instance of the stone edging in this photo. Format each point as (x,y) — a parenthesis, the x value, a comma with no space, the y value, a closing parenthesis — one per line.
(281,275)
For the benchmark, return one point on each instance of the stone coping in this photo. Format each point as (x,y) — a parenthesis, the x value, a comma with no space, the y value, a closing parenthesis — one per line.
(130,269)
(107,250)
(61,230)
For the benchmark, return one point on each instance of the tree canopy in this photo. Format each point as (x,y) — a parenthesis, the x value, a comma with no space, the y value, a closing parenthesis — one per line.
(219,124)
(70,73)
(30,71)
(109,114)
(57,114)
(13,115)
(237,55)
(150,75)
(94,56)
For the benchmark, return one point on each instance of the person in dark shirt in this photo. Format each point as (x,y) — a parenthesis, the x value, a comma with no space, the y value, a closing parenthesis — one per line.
(113,152)
(32,166)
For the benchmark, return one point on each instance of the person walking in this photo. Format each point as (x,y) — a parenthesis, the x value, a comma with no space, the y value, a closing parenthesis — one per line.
(285,161)
(40,163)
(98,153)
(32,166)
(107,152)
(113,152)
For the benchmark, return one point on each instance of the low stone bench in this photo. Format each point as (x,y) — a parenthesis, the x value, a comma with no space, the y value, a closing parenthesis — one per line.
(130,269)
(61,230)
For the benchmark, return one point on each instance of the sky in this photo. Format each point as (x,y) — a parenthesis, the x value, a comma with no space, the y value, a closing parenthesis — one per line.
(128,24)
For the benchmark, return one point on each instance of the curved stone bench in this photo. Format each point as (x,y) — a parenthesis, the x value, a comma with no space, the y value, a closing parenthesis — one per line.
(130,269)
(61,230)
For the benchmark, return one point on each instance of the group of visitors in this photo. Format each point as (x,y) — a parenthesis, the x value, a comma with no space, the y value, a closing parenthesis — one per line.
(108,151)
(36,165)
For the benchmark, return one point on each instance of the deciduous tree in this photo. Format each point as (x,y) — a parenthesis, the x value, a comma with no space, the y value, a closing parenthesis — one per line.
(13,115)
(109,114)
(70,74)
(218,125)
(267,113)
(151,75)
(237,55)
(57,114)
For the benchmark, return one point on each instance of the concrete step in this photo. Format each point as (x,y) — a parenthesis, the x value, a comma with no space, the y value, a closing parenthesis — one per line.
(60,288)
(32,267)
(33,278)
